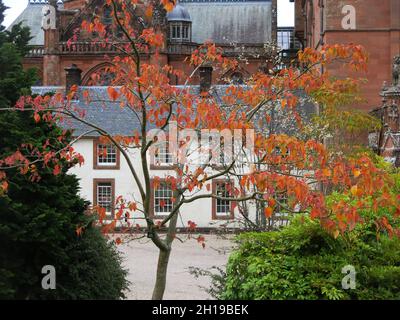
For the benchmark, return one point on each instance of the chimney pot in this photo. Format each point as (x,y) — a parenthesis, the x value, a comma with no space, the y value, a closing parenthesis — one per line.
(73,77)
(205,73)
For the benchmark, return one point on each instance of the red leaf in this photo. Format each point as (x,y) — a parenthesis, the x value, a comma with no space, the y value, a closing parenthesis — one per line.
(112,93)
(268,212)
(57,170)
(132,206)
(36,117)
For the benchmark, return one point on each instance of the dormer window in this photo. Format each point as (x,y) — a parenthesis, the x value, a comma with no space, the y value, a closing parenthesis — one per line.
(179,31)
(107,16)
(180,25)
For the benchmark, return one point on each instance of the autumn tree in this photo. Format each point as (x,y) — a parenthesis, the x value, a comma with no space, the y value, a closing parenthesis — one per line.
(278,163)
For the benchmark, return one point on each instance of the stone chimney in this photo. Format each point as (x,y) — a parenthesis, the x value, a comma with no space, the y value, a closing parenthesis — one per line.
(205,73)
(72,77)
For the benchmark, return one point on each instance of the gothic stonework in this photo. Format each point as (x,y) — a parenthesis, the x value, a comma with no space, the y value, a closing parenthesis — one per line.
(55,47)
(396,70)
(387,142)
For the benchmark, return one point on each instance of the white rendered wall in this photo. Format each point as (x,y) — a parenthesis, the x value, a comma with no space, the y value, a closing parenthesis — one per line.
(199,211)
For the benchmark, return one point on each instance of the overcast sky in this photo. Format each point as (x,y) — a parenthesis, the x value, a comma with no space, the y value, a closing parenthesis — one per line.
(285,11)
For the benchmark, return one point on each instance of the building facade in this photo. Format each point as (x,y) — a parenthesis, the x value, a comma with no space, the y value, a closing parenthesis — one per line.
(241,28)
(373,24)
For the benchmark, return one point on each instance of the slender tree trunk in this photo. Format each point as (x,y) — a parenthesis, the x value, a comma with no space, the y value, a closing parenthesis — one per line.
(163,260)
(161,280)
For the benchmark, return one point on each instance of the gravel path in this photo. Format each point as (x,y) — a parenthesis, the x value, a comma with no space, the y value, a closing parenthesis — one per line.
(141,260)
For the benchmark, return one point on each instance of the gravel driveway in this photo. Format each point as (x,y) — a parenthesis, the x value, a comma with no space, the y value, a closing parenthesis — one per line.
(140,258)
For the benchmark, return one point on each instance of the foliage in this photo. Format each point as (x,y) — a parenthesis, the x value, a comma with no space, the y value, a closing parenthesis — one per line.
(40,213)
(14,81)
(94,268)
(217,276)
(303,261)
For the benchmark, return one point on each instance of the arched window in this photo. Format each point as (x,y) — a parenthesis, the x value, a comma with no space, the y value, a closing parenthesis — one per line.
(100,75)
(237,78)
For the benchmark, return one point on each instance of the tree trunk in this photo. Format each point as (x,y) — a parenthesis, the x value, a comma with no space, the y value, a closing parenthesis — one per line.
(163,259)
(161,280)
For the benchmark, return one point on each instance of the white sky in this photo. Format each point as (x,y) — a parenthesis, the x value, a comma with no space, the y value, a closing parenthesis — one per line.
(285,11)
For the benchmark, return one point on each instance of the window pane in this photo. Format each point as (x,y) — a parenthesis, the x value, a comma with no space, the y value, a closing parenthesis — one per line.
(162,155)
(163,199)
(223,206)
(173,31)
(106,154)
(104,196)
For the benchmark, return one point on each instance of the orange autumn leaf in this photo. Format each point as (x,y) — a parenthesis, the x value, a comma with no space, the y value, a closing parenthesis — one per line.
(36,117)
(268,212)
(112,93)
(326,172)
(356,173)
(272,202)
(149,11)
(79,231)
(132,206)
(118,241)
(168,4)
(156,183)
(355,191)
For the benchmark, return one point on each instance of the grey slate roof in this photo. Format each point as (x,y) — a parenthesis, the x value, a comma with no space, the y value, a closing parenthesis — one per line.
(221,21)
(109,116)
(122,121)
(32,18)
(224,22)
(179,14)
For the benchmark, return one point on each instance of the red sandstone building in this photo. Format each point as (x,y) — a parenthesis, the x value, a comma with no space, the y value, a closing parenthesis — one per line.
(376,26)
(241,28)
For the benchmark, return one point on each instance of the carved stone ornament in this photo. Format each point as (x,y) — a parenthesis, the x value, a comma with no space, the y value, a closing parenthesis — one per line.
(396,70)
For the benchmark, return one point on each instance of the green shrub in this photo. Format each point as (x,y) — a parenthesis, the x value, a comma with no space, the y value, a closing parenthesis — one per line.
(304,262)
(94,269)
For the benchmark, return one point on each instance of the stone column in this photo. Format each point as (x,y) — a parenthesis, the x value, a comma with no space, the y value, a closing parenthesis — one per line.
(51,58)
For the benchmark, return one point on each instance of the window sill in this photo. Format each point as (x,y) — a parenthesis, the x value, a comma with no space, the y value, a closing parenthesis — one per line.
(223,218)
(106,167)
(163,167)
